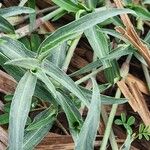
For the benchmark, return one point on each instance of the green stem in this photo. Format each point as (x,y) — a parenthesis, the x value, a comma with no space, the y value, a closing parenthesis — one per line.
(52,14)
(88,76)
(109,123)
(70,53)
(112,136)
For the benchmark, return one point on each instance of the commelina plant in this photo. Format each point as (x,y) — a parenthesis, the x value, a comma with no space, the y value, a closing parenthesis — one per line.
(40,69)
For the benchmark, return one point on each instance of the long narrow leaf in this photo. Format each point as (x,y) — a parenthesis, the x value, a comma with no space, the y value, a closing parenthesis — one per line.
(19,110)
(32,138)
(5,26)
(15,10)
(73,116)
(76,27)
(99,43)
(90,126)
(52,71)
(67,5)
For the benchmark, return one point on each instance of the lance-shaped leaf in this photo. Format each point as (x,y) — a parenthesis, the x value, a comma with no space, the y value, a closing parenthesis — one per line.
(45,118)
(73,116)
(88,132)
(14,49)
(108,100)
(68,5)
(87,68)
(91,3)
(99,43)
(19,110)
(15,10)
(62,78)
(22,3)
(59,54)
(44,78)
(52,71)
(75,28)
(141,12)
(5,26)
(33,137)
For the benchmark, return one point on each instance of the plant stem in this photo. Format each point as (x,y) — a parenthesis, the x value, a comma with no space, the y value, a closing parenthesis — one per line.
(70,53)
(146,74)
(52,14)
(112,136)
(109,123)
(88,76)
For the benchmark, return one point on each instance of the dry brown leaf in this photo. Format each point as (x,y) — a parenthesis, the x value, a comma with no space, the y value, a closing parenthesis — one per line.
(142,86)
(7,83)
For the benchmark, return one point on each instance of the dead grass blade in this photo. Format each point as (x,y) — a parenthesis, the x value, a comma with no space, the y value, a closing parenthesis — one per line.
(130,34)
(131,91)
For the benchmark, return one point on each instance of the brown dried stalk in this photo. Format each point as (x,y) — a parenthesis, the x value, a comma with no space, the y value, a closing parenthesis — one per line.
(131,91)
(130,34)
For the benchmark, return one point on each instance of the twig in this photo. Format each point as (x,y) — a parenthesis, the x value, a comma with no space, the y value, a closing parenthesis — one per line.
(62,127)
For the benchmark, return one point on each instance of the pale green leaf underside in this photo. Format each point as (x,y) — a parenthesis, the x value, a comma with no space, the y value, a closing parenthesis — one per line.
(77,27)
(19,110)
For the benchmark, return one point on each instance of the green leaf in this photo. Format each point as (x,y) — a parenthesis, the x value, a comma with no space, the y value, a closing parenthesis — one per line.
(27,63)
(67,5)
(32,16)
(118,122)
(141,12)
(52,71)
(8,98)
(91,3)
(14,49)
(99,43)
(87,68)
(123,117)
(146,2)
(113,33)
(119,52)
(22,3)
(131,121)
(146,136)
(5,26)
(73,115)
(89,130)
(35,42)
(15,10)
(43,77)
(33,137)
(141,128)
(104,99)
(57,74)
(20,108)
(4,119)
(7,107)
(59,54)
(46,116)
(75,28)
